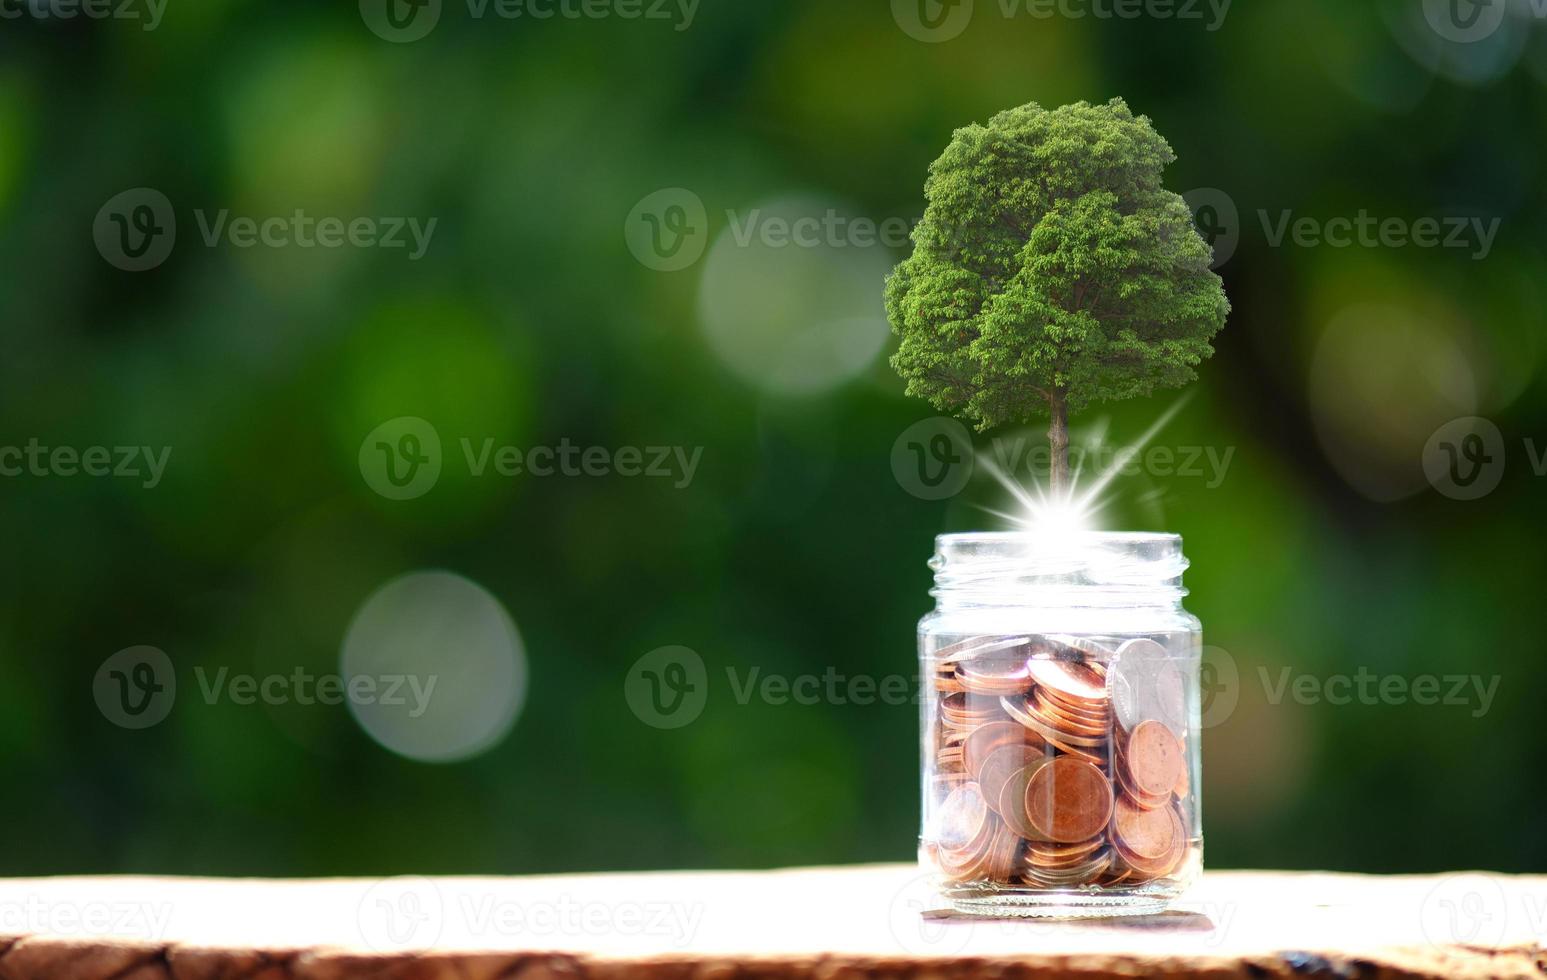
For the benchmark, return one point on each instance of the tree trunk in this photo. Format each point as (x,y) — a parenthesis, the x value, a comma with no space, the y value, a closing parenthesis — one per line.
(1058,443)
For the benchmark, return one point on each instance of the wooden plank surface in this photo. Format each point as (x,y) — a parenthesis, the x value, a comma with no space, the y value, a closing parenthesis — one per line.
(824,923)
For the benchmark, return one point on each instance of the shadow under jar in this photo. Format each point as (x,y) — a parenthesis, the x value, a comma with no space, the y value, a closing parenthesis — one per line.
(1060,725)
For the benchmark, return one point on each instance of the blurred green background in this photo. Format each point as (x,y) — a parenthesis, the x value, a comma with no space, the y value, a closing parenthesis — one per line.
(529,320)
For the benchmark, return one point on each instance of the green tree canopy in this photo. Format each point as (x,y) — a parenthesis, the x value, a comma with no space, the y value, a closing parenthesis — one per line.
(1052,269)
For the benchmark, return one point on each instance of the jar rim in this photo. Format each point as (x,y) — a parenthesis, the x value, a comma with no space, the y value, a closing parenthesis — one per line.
(1101,567)
(1031,537)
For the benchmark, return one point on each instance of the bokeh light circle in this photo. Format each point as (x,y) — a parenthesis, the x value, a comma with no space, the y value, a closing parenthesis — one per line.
(790,297)
(1383,378)
(434,667)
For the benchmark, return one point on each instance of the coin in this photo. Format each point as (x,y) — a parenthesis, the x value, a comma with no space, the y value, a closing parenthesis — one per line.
(1056,762)
(1003,855)
(1126,784)
(976,646)
(1074,681)
(1066,720)
(1146,834)
(1053,851)
(1012,801)
(1079,646)
(1069,800)
(1168,696)
(986,739)
(1028,714)
(1145,683)
(960,817)
(1002,763)
(995,675)
(1154,757)
(1078,874)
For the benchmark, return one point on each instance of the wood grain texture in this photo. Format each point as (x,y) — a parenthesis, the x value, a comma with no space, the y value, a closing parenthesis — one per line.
(819,923)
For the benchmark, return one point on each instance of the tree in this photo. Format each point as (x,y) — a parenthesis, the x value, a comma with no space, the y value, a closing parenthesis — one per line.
(1052,269)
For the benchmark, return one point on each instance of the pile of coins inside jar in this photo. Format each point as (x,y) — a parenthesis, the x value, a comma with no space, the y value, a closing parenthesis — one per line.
(1059,761)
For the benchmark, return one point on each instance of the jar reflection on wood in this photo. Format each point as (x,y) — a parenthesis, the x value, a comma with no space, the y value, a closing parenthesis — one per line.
(1060,725)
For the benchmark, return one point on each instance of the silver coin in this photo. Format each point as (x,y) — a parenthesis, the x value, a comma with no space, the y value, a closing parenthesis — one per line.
(978,646)
(1168,697)
(1132,681)
(1079,646)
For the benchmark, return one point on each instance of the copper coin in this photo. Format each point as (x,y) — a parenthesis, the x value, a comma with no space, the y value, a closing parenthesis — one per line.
(1075,646)
(1095,756)
(1072,680)
(1154,757)
(985,739)
(1067,720)
(1145,869)
(1139,799)
(1087,871)
(1029,714)
(1055,851)
(995,675)
(1069,800)
(960,818)
(1036,857)
(1147,834)
(1012,801)
(966,861)
(1084,711)
(1002,763)
(973,862)
(1003,855)
(1124,773)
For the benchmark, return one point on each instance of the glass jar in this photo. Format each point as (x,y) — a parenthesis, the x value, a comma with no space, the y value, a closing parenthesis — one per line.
(1060,725)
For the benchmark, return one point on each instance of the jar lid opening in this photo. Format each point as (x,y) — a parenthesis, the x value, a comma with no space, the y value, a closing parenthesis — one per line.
(1083,566)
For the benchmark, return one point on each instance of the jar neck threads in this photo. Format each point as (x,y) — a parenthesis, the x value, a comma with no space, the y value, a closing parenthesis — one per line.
(1083,569)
